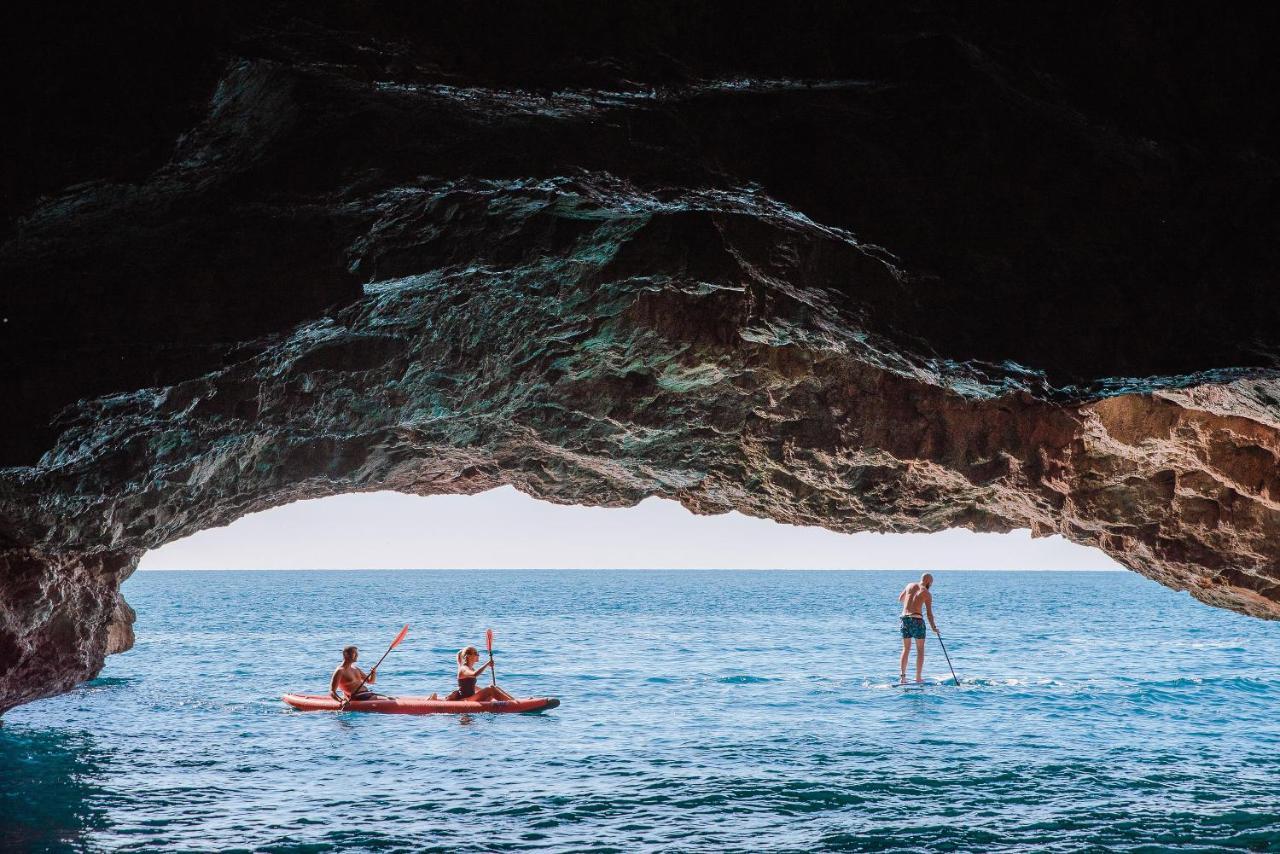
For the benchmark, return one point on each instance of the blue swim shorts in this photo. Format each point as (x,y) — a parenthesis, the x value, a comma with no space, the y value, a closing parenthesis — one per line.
(913,627)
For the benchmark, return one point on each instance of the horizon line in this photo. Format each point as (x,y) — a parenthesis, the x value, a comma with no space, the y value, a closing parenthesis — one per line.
(598,569)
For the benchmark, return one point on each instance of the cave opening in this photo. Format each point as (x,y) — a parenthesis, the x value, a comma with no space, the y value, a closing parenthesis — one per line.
(372,560)
(505,529)
(306,578)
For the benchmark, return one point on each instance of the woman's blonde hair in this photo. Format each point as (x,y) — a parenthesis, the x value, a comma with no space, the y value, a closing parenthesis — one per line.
(465,651)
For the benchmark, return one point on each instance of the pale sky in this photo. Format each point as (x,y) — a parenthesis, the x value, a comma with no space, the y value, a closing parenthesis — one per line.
(505,529)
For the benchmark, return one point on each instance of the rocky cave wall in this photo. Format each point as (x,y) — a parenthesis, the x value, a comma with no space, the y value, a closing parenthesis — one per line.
(867,266)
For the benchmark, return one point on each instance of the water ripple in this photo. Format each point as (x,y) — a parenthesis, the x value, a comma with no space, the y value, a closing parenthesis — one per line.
(1070,729)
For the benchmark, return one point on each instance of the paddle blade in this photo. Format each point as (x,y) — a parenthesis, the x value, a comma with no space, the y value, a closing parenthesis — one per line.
(395,643)
(488,640)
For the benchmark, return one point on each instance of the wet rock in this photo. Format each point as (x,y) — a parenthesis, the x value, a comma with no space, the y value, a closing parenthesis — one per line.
(60,616)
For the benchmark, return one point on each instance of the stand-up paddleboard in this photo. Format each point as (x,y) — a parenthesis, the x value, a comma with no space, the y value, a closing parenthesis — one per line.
(928,683)
(418,705)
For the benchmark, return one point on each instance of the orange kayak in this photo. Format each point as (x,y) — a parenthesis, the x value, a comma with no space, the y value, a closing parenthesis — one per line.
(418,705)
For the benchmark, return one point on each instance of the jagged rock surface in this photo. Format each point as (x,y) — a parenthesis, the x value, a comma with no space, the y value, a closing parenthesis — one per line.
(901,288)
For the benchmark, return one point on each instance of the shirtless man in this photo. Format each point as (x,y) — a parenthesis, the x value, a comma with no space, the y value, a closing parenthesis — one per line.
(913,597)
(348,678)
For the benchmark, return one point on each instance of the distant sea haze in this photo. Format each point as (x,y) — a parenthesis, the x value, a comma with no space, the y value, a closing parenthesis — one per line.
(702,711)
(505,529)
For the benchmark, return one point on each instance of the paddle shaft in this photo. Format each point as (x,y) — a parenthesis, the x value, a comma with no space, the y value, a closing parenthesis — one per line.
(493,671)
(944,652)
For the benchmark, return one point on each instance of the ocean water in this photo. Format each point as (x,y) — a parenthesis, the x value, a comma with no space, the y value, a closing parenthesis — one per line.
(702,711)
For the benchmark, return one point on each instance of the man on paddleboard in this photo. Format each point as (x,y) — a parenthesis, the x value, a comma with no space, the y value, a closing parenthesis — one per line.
(349,679)
(914,597)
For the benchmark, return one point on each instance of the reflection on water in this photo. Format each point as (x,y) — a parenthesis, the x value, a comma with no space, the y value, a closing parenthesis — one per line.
(731,711)
(49,793)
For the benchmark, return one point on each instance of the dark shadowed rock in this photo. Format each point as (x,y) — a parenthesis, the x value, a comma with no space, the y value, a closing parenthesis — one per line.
(879,267)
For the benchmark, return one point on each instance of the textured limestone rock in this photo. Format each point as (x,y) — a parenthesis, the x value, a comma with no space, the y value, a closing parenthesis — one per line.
(895,271)
(60,616)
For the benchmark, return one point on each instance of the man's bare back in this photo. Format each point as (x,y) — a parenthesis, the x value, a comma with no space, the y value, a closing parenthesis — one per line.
(915,596)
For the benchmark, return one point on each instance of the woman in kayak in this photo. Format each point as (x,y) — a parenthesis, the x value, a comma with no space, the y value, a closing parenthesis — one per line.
(468,673)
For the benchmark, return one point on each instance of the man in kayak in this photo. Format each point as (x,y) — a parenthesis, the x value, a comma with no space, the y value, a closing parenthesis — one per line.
(914,597)
(351,680)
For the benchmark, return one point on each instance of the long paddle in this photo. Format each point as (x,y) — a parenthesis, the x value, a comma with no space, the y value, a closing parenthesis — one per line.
(944,652)
(488,639)
(395,643)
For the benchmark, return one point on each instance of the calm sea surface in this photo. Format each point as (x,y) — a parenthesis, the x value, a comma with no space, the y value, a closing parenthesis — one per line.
(713,711)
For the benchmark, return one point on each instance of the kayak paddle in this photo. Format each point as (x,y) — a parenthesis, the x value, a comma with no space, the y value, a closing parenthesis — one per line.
(488,640)
(944,652)
(395,643)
